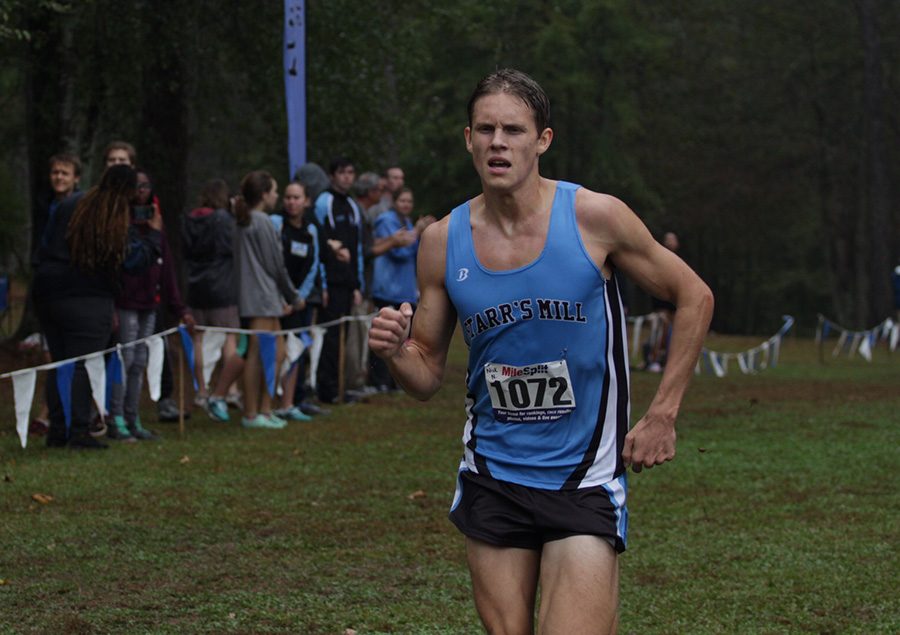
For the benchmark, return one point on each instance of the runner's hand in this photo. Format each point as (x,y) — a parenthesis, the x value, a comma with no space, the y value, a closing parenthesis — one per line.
(650,442)
(390,329)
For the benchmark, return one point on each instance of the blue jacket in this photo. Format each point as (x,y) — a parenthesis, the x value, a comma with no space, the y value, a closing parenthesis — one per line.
(394,279)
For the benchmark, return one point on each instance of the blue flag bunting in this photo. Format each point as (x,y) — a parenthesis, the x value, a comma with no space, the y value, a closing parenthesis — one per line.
(64,374)
(187,343)
(113,374)
(267,357)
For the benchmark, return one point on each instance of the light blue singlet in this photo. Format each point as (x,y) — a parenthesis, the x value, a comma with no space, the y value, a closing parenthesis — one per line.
(547,400)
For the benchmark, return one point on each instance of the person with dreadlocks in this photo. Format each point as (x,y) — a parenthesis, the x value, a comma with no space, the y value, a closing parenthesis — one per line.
(86,245)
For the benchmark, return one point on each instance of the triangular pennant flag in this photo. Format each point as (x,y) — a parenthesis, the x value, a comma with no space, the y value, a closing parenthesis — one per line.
(293,349)
(187,343)
(114,366)
(842,339)
(854,344)
(895,337)
(865,346)
(23,395)
(315,351)
(826,329)
(764,362)
(64,374)
(742,363)
(156,355)
(267,357)
(213,341)
(776,350)
(716,366)
(724,359)
(751,360)
(96,371)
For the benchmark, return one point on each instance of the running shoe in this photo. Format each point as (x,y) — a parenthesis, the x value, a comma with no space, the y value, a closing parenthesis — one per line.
(262,422)
(140,432)
(118,430)
(217,409)
(292,414)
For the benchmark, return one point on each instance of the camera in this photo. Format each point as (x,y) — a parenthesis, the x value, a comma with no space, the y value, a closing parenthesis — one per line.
(142,212)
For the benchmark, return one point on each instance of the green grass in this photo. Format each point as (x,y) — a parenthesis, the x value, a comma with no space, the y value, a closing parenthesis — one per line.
(779,515)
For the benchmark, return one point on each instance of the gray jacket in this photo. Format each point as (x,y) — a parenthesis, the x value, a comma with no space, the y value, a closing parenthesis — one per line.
(263,281)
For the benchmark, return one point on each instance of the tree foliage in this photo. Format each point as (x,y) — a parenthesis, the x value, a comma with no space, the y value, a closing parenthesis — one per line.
(764,133)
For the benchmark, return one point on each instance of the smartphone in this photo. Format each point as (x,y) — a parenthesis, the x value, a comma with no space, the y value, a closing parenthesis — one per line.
(142,212)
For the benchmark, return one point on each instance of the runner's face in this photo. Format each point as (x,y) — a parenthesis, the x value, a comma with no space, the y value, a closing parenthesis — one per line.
(504,141)
(294,200)
(404,203)
(63,179)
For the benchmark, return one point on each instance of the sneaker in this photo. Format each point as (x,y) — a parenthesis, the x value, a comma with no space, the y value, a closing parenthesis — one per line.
(168,410)
(235,400)
(311,409)
(97,428)
(217,409)
(274,418)
(292,414)
(654,367)
(140,432)
(117,430)
(261,421)
(201,400)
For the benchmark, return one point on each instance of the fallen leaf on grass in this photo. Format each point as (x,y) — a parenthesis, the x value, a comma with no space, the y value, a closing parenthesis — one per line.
(185,459)
(43,499)
(349,631)
(417,494)
(232,616)
(296,452)
(701,449)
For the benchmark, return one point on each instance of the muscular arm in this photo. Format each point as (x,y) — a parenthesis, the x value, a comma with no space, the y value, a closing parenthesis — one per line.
(417,362)
(612,233)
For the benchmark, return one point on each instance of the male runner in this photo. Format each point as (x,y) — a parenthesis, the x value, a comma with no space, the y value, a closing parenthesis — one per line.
(527,266)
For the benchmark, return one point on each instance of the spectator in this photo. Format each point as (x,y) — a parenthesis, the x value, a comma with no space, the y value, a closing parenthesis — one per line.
(88,241)
(263,283)
(65,174)
(394,180)
(136,304)
(300,247)
(119,153)
(340,221)
(397,242)
(208,238)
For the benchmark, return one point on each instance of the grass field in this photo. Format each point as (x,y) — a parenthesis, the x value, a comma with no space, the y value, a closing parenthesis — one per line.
(779,515)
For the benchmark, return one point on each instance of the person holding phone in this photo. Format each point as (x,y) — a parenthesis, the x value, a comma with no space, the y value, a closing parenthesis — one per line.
(136,304)
(89,241)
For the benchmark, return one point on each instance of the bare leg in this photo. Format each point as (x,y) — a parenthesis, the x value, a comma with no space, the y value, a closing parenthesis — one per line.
(232,367)
(288,385)
(504,582)
(579,587)
(252,375)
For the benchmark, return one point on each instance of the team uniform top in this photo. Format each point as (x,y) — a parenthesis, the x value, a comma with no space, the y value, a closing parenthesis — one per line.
(547,399)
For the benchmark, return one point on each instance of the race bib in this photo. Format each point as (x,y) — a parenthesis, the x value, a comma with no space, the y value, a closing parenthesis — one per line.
(529,394)
(299,249)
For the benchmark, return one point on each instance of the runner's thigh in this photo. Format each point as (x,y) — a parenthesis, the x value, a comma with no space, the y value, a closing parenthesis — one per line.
(579,587)
(504,582)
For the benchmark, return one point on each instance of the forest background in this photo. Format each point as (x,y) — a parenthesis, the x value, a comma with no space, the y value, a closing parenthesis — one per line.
(764,133)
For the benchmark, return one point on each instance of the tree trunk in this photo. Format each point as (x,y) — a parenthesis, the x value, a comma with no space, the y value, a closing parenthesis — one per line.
(876,219)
